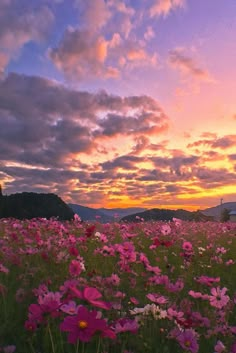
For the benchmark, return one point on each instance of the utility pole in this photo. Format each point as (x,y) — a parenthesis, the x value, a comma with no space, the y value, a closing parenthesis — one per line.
(221,207)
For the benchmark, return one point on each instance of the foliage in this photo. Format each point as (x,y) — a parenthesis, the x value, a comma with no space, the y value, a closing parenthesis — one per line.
(29,205)
(225,215)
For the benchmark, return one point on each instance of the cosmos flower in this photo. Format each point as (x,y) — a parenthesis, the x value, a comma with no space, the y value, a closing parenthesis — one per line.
(84,325)
(91,295)
(188,341)
(218,299)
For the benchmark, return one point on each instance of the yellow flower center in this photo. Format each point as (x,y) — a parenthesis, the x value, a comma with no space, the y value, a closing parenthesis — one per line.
(187,343)
(82,324)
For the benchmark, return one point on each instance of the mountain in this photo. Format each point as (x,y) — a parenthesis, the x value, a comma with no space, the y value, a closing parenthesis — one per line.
(160,214)
(216,211)
(90,214)
(121,212)
(27,205)
(103,215)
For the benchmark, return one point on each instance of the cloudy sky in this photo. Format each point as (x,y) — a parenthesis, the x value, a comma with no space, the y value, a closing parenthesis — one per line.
(118,103)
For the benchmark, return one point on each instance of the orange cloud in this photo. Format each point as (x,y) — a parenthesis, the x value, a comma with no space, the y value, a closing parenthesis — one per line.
(164,7)
(81,55)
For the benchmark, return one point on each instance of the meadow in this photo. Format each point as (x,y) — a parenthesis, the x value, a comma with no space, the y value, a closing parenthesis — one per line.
(79,287)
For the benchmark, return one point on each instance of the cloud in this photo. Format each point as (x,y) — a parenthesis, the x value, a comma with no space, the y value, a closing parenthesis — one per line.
(94,13)
(129,54)
(81,55)
(186,65)
(138,124)
(164,7)
(20,25)
(232,157)
(44,123)
(224,142)
(149,34)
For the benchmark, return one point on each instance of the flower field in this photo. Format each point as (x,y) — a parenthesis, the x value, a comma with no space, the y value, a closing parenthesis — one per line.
(78,287)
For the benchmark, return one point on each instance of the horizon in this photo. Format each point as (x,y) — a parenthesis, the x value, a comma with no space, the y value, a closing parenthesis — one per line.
(117,104)
(139,207)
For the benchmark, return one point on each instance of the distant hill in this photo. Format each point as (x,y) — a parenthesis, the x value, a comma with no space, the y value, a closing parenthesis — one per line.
(103,215)
(160,214)
(27,205)
(216,211)
(121,212)
(90,214)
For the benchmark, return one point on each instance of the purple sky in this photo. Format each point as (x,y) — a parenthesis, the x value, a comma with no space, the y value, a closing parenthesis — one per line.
(119,103)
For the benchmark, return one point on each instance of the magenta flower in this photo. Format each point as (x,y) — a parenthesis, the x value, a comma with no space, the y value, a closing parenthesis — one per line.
(75,268)
(188,341)
(84,325)
(218,299)
(187,246)
(91,295)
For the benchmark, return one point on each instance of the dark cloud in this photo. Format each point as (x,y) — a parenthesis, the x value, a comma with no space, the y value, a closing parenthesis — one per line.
(216,142)
(128,162)
(43,122)
(232,157)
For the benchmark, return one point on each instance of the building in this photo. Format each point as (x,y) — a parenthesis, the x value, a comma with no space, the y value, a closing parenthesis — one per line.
(232,216)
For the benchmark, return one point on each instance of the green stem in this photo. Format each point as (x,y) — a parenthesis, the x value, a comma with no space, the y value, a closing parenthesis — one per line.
(99,343)
(31,346)
(51,339)
(77,347)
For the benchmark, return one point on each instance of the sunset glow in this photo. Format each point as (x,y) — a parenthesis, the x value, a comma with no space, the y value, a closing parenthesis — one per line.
(119,103)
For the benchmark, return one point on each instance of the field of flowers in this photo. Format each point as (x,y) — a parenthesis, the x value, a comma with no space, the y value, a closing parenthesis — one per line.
(78,287)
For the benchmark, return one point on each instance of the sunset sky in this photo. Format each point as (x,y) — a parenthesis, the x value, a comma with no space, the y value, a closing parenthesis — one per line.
(119,103)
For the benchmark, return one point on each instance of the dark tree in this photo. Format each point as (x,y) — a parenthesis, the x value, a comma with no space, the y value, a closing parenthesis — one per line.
(224,217)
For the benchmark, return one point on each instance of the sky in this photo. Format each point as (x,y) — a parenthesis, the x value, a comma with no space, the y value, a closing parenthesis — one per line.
(119,103)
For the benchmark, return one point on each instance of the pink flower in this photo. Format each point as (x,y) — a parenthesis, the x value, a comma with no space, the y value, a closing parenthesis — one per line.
(134,300)
(75,268)
(126,325)
(187,246)
(9,349)
(84,325)
(3,269)
(91,295)
(71,308)
(209,281)
(218,299)
(77,218)
(196,295)
(188,341)
(219,347)
(165,229)
(177,221)
(50,303)
(156,298)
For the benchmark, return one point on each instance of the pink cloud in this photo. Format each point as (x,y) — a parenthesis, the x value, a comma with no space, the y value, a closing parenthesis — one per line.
(164,7)
(186,65)
(95,13)
(80,55)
